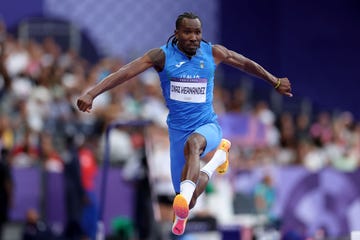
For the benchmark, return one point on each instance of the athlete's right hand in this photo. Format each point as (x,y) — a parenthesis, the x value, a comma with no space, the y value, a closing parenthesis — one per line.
(84,103)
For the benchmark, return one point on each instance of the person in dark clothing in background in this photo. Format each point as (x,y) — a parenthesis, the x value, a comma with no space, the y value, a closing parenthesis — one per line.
(35,228)
(6,183)
(74,192)
(6,187)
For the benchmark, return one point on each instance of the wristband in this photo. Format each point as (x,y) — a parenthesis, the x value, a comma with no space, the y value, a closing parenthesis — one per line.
(277,85)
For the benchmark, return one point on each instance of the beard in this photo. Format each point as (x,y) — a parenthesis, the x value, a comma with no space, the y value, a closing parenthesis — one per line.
(190,49)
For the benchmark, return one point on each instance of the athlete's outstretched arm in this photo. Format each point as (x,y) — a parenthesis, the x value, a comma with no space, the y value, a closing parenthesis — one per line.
(152,58)
(234,59)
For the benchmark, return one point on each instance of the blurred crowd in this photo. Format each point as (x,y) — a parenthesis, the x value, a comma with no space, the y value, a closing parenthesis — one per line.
(40,125)
(325,141)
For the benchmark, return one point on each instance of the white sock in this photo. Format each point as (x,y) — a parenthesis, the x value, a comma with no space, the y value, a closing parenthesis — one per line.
(218,159)
(187,188)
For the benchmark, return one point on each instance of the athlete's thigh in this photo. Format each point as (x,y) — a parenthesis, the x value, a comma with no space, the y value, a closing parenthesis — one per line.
(177,157)
(213,134)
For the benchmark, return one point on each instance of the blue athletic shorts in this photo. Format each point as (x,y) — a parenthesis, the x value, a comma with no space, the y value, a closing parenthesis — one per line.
(212,133)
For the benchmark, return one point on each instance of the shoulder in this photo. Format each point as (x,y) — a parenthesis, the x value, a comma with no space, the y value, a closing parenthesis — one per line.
(220,53)
(157,56)
(155,53)
(218,49)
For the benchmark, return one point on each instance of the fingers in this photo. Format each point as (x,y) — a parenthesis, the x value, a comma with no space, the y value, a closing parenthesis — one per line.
(287,92)
(82,106)
(85,109)
(286,87)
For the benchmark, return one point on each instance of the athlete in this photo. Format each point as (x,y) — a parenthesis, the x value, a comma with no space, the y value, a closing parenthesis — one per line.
(186,66)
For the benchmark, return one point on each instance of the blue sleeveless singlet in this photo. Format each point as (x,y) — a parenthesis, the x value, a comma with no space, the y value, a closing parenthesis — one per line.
(187,86)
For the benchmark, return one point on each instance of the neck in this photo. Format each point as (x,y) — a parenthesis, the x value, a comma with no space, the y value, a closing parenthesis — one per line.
(186,54)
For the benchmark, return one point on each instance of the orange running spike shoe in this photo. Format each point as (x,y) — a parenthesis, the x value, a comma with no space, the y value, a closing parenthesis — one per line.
(224,145)
(181,211)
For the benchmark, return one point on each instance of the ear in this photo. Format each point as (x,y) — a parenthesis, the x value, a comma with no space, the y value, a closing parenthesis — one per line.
(176,32)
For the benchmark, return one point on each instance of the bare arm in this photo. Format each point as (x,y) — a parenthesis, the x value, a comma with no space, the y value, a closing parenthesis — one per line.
(234,59)
(153,58)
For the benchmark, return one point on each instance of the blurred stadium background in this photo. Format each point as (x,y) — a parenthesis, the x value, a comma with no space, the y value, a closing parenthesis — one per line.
(294,162)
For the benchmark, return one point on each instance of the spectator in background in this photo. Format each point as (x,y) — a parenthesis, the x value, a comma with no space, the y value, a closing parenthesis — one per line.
(265,196)
(321,130)
(266,153)
(239,100)
(345,159)
(267,117)
(160,177)
(344,152)
(220,96)
(287,130)
(74,191)
(38,108)
(7,135)
(88,170)
(343,129)
(26,152)
(302,125)
(152,104)
(35,228)
(50,156)
(288,142)
(6,189)
(315,157)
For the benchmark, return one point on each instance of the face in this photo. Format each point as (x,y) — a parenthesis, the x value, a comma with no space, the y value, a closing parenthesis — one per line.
(189,36)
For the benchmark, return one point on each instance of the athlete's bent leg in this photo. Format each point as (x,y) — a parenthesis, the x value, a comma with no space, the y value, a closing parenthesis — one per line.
(194,147)
(219,161)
